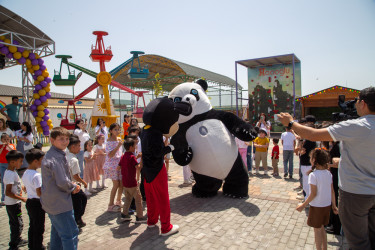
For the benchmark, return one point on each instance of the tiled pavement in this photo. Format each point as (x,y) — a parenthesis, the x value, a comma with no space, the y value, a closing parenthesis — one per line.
(266,220)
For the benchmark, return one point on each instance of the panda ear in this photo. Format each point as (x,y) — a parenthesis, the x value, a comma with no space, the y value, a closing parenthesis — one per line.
(203,84)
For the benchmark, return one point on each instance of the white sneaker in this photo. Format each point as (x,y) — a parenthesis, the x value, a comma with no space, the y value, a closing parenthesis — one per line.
(172,231)
(266,172)
(300,192)
(88,193)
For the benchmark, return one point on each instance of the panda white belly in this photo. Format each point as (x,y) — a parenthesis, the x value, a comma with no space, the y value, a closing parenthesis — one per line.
(214,148)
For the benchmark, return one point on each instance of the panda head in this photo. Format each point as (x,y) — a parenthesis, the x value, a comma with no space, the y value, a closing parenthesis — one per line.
(195,95)
(162,114)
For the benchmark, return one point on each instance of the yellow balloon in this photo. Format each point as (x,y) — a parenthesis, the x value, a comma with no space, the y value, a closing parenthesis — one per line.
(26,54)
(37,56)
(36,82)
(2,37)
(41,114)
(49,122)
(47,89)
(35,67)
(38,119)
(7,41)
(42,92)
(28,61)
(50,126)
(40,108)
(40,78)
(39,129)
(45,73)
(12,49)
(17,55)
(45,104)
(37,124)
(48,85)
(30,70)
(30,66)
(36,96)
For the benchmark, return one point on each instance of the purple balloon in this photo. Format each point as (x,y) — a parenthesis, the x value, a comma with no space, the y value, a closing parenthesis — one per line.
(42,98)
(33,107)
(46,133)
(35,91)
(38,72)
(31,56)
(46,118)
(35,113)
(48,79)
(15,42)
(20,49)
(43,123)
(40,61)
(34,62)
(48,95)
(38,87)
(22,60)
(35,77)
(46,111)
(44,84)
(37,102)
(4,50)
(1,45)
(42,67)
(10,55)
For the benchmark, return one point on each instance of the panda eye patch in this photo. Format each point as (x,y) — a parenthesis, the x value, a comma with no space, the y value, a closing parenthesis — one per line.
(194,92)
(177,99)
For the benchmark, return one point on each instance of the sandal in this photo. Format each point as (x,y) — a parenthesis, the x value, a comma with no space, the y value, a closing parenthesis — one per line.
(118,203)
(113,208)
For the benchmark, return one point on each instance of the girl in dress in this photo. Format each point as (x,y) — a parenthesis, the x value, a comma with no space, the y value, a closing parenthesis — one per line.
(99,150)
(101,129)
(322,196)
(113,149)
(24,139)
(81,132)
(90,173)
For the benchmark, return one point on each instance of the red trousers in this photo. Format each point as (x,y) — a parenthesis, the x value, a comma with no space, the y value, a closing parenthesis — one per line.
(158,201)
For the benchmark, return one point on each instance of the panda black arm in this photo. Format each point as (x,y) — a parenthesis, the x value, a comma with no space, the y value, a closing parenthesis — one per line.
(182,154)
(240,129)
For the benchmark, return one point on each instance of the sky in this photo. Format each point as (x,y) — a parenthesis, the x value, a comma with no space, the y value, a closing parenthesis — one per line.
(334,39)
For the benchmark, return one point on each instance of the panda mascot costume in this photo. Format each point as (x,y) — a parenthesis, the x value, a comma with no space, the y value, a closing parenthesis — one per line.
(160,118)
(205,142)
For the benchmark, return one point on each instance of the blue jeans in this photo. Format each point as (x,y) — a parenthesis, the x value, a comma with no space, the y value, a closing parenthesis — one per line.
(81,161)
(64,231)
(249,158)
(288,156)
(3,167)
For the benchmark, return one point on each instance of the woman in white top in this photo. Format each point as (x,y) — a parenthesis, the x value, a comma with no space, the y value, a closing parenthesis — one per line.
(264,123)
(24,139)
(81,132)
(5,130)
(101,129)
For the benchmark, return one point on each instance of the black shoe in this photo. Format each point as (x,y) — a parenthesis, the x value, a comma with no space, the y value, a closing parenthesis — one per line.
(131,212)
(141,220)
(22,242)
(125,217)
(285,175)
(290,176)
(81,224)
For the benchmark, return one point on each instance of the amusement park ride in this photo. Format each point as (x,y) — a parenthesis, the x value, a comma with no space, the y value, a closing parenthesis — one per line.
(103,108)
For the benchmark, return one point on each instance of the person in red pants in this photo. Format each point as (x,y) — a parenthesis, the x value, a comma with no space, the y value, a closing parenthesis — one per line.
(160,118)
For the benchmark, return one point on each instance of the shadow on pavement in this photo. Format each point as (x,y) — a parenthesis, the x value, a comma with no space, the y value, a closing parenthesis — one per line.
(150,235)
(187,204)
(124,229)
(105,218)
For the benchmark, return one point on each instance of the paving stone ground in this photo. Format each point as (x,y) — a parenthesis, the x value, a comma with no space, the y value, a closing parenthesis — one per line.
(266,220)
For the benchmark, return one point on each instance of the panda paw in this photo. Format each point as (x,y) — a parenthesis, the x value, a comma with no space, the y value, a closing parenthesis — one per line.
(189,155)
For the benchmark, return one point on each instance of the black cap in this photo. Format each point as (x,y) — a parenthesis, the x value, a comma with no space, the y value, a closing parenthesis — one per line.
(310,118)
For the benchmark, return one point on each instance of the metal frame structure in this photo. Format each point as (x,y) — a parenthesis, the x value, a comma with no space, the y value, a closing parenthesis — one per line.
(30,38)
